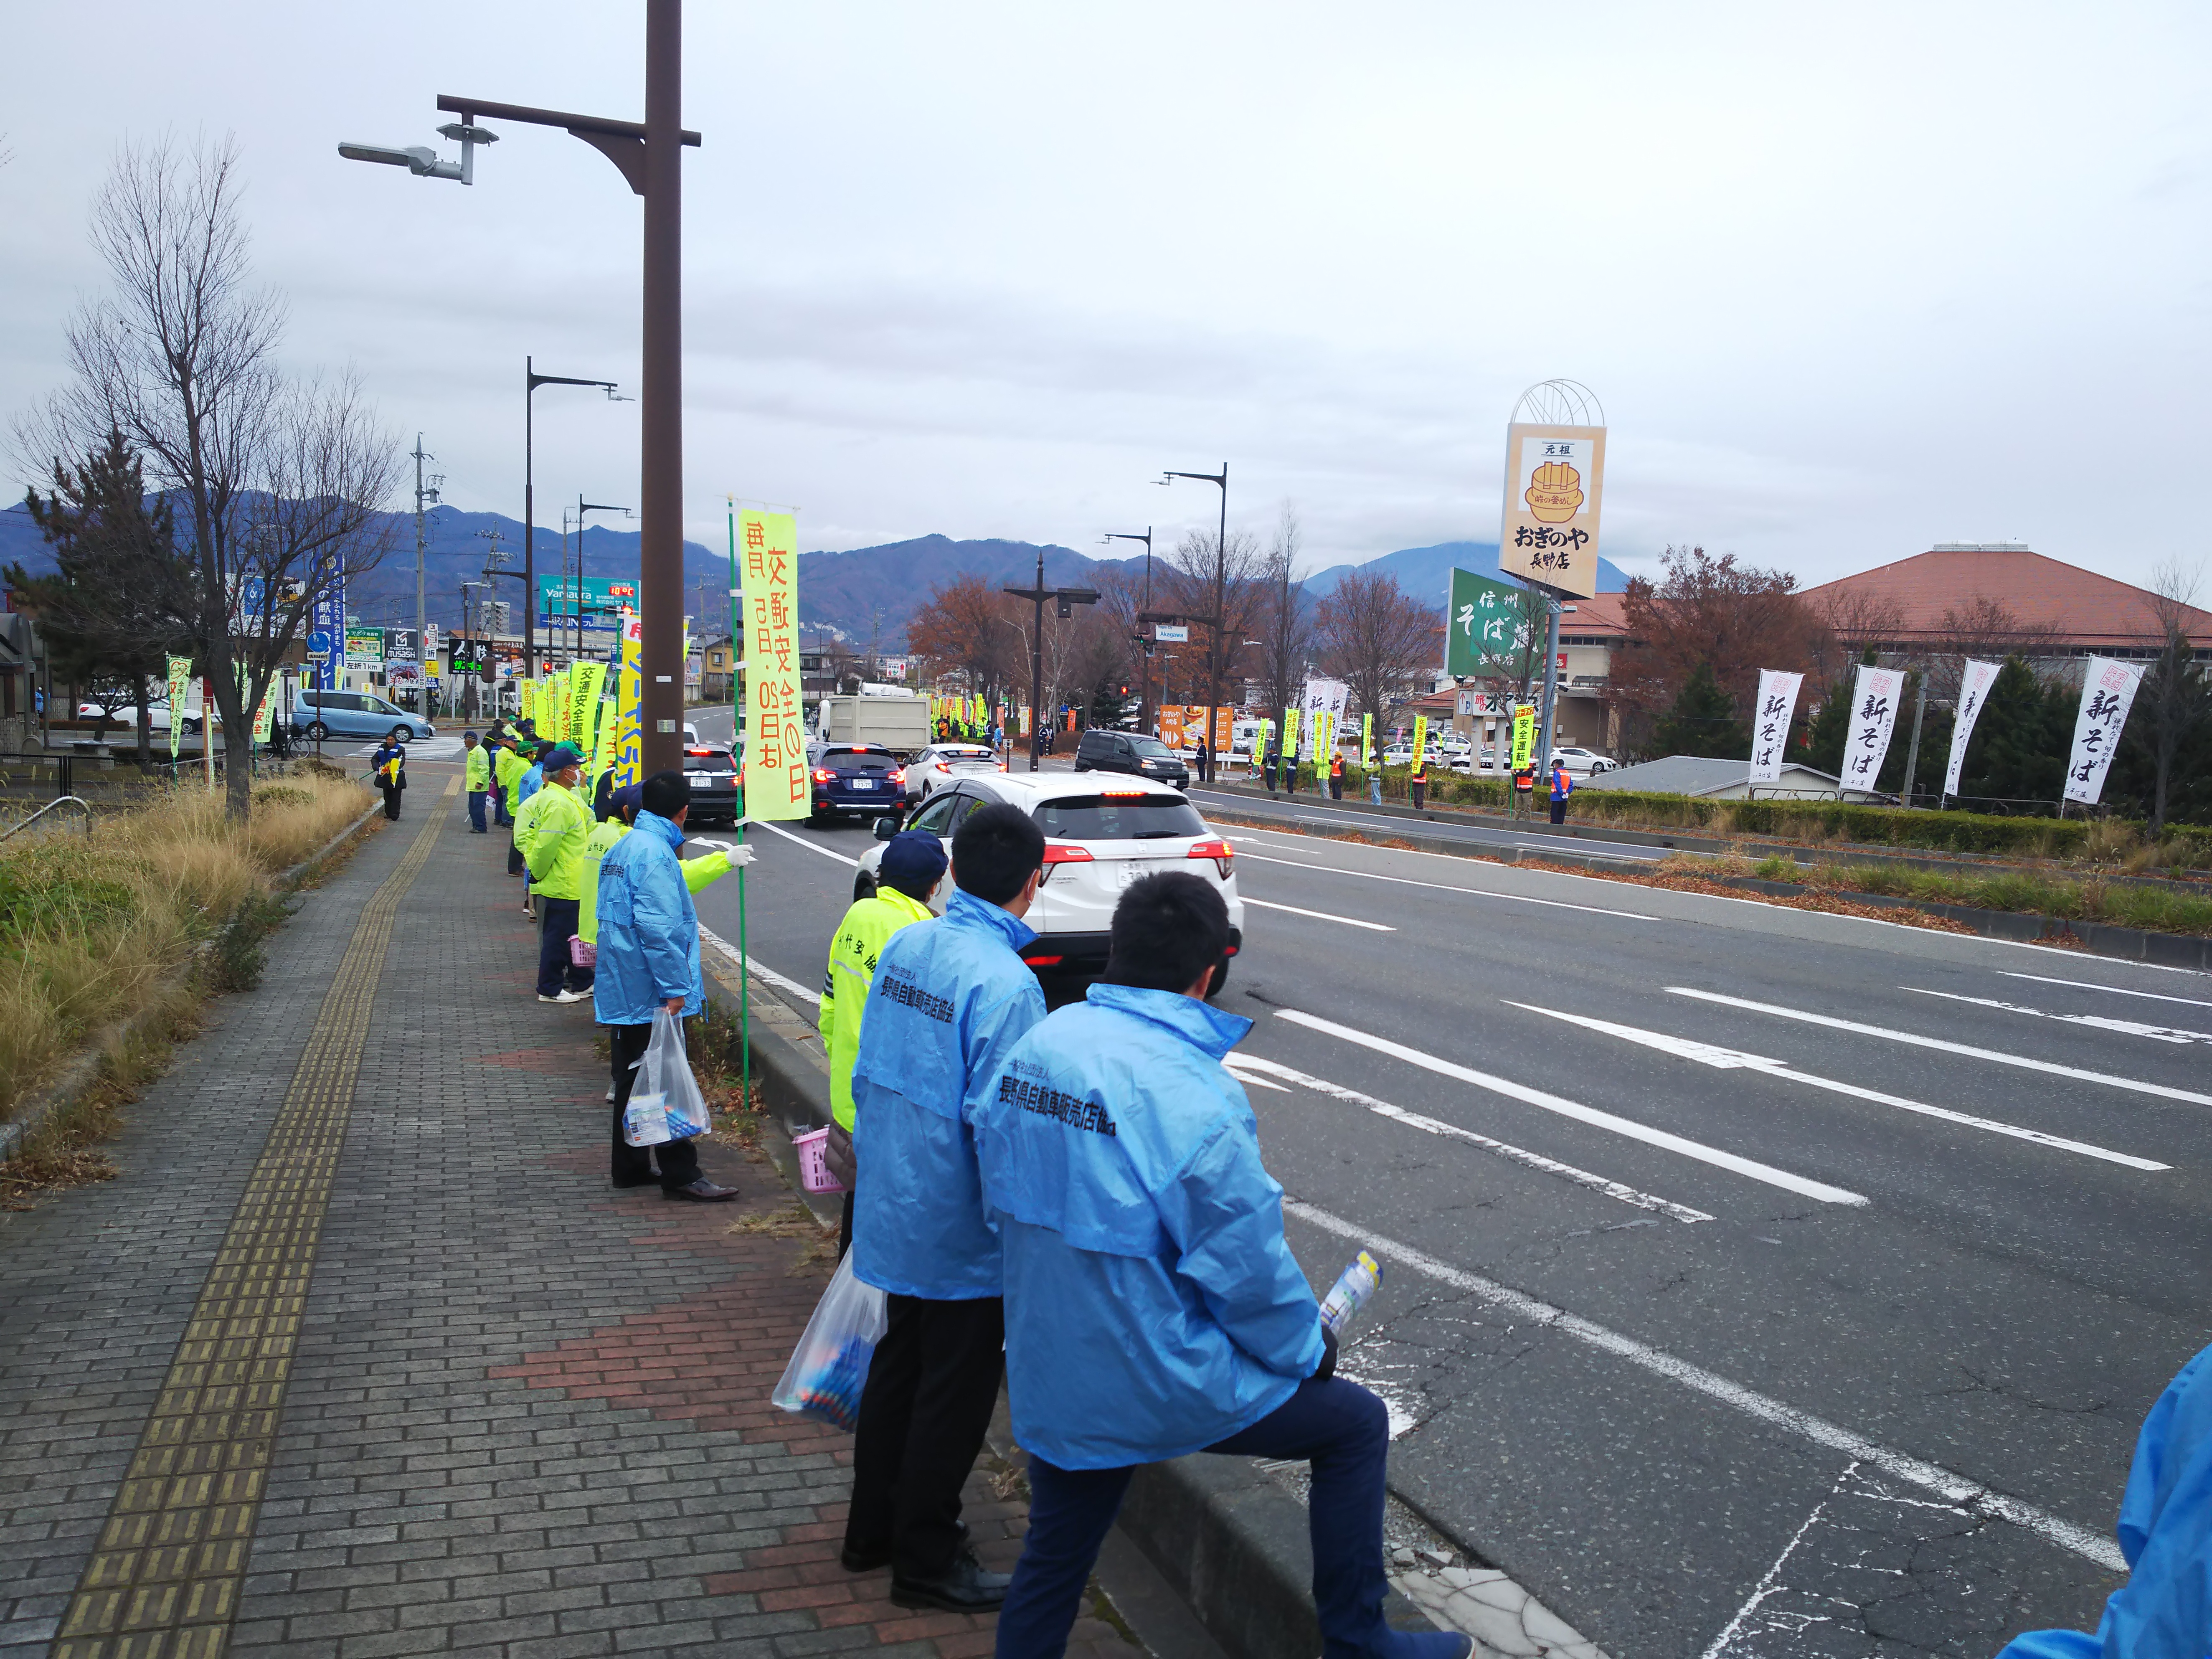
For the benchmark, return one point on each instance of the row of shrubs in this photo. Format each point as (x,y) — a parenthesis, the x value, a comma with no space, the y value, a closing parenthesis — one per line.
(2186,846)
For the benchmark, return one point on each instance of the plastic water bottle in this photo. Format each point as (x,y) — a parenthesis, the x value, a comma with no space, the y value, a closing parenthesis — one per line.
(1350,1293)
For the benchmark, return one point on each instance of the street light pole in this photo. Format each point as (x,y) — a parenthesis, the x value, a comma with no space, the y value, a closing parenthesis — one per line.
(1065,599)
(532,380)
(1144,645)
(1220,594)
(660,551)
(582,507)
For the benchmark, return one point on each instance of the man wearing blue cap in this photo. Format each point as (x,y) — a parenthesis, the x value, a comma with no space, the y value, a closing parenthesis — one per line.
(912,864)
(949,999)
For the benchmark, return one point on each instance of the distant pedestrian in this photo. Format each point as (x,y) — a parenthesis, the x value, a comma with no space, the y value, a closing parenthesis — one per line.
(1562,786)
(476,769)
(1291,771)
(649,960)
(1205,762)
(1271,762)
(507,769)
(388,766)
(1417,781)
(1336,776)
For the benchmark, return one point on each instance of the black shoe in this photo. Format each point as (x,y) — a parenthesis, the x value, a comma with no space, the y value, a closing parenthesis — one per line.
(964,1587)
(701,1191)
(870,1560)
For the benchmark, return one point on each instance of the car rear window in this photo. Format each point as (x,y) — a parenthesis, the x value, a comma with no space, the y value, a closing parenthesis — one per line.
(710,760)
(857,760)
(1150,747)
(967,753)
(1118,817)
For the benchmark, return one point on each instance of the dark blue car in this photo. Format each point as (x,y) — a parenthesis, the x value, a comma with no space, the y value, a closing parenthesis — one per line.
(855,781)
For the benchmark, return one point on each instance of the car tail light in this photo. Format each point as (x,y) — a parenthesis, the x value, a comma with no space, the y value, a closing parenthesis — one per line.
(898,776)
(1061,852)
(1218,851)
(823,774)
(1044,962)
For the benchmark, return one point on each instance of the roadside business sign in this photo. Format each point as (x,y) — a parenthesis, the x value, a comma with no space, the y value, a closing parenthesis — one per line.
(364,647)
(1876,694)
(2108,692)
(1487,628)
(1770,728)
(608,596)
(1554,477)
(1974,685)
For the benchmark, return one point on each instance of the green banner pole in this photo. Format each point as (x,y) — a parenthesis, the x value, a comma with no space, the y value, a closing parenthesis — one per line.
(737,738)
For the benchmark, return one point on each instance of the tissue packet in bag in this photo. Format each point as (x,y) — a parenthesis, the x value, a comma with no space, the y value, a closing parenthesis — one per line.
(829,1366)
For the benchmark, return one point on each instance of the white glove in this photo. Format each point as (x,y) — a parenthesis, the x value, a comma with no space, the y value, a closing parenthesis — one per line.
(738,856)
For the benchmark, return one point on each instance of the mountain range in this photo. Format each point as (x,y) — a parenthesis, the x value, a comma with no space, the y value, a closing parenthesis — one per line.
(864,595)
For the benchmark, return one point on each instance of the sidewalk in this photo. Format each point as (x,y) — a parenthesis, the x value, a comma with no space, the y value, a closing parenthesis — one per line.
(360,1355)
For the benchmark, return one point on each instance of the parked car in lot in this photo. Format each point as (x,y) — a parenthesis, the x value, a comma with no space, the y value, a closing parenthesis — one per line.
(1100,835)
(319,715)
(1579,759)
(713,775)
(1132,752)
(855,779)
(938,764)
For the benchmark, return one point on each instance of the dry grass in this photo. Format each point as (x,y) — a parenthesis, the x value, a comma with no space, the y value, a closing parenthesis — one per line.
(94,927)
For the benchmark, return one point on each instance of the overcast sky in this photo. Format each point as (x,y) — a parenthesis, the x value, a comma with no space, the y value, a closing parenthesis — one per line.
(1850,280)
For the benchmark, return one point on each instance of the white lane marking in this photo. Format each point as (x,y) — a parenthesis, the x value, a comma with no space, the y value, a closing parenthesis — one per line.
(1521,1155)
(1445,887)
(1235,1068)
(1707,1054)
(1581,1114)
(801,841)
(1767,1586)
(2102,1023)
(1919,1041)
(757,969)
(2086,984)
(1945,1483)
(1319,916)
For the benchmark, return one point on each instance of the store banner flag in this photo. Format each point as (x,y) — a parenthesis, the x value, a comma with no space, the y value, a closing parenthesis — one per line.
(1974,684)
(1554,476)
(1770,728)
(630,686)
(1487,633)
(2108,692)
(1324,696)
(1524,736)
(1876,694)
(181,682)
(775,782)
(584,681)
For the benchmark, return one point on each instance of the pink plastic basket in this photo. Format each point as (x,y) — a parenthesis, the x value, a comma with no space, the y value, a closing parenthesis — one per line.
(813,1167)
(583,953)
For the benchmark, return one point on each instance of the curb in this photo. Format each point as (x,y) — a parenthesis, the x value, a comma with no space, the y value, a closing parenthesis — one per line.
(1230,1542)
(2096,938)
(81,1072)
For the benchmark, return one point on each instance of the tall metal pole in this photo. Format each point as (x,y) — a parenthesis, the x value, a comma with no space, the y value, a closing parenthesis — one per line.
(1545,741)
(660,557)
(1037,670)
(529,530)
(1220,606)
(422,615)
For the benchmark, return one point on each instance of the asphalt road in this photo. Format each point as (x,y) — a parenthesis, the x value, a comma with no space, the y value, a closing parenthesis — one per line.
(1758,1281)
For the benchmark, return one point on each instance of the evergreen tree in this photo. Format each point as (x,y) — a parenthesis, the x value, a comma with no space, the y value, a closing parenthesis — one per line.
(2018,749)
(1703,721)
(2132,787)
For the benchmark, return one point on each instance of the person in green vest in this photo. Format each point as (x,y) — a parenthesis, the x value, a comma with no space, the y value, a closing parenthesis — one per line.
(551,829)
(507,768)
(912,864)
(475,770)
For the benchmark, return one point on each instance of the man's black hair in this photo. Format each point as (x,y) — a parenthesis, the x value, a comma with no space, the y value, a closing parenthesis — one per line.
(667,793)
(995,851)
(1169,929)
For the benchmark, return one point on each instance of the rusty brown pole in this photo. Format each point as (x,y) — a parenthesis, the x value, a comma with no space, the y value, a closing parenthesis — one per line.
(660,558)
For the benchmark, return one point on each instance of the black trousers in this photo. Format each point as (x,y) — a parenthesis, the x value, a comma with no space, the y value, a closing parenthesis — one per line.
(1559,810)
(514,864)
(391,802)
(930,1389)
(632,1166)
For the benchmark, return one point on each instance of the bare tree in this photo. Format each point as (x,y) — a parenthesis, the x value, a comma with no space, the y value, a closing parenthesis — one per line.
(1285,617)
(968,627)
(2176,693)
(1984,627)
(275,479)
(1377,638)
(1216,582)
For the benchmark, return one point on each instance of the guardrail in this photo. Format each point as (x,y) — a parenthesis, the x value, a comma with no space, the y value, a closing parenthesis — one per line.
(59,800)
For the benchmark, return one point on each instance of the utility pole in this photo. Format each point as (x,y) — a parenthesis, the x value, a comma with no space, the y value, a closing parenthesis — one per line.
(1214,664)
(1065,599)
(1144,643)
(1913,753)
(426,493)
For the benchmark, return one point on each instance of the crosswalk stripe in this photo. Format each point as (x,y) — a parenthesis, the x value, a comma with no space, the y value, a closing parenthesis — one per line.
(1628,1127)
(1918,1042)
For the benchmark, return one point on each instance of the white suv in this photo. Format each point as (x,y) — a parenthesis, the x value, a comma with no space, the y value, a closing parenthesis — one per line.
(1100,835)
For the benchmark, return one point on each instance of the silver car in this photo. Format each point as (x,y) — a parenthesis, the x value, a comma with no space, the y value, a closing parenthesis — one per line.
(941,762)
(1101,833)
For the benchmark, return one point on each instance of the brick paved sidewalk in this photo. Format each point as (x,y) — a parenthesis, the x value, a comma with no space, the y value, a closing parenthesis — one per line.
(360,1355)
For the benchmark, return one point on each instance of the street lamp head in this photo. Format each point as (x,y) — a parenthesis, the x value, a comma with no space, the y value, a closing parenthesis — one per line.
(381,153)
(421,161)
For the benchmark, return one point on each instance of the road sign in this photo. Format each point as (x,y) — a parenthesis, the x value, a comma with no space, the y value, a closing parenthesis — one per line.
(1172,633)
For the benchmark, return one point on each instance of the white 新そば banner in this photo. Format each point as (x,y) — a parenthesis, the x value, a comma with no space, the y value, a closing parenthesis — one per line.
(1769,726)
(2108,692)
(1973,691)
(1874,694)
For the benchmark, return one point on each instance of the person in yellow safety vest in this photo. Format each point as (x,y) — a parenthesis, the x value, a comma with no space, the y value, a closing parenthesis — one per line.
(508,769)
(1562,786)
(913,864)
(475,770)
(550,830)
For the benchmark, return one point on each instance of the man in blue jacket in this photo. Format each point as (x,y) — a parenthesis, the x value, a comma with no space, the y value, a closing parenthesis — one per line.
(949,998)
(649,959)
(1153,1307)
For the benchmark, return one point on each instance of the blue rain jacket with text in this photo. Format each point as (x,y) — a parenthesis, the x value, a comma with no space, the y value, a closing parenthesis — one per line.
(648,930)
(1152,1305)
(949,999)
(2165,1609)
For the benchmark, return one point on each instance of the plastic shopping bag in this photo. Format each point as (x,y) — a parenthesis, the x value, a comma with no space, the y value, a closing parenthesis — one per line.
(665,1102)
(829,1366)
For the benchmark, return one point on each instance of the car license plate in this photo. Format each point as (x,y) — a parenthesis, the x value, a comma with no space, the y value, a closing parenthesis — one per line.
(864,783)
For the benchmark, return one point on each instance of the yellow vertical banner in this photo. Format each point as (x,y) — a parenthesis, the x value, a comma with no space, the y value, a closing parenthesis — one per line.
(776,782)
(603,747)
(1289,734)
(584,682)
(1367,740)
(630,686)
(1420,741)
(530,700)
(180,685)
(1524,736)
